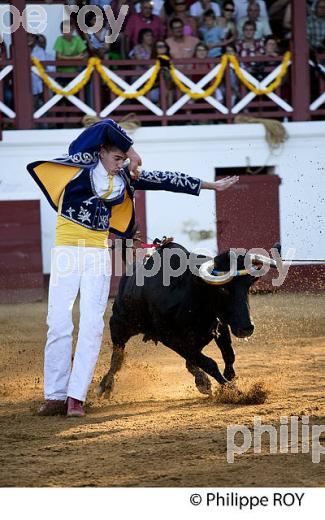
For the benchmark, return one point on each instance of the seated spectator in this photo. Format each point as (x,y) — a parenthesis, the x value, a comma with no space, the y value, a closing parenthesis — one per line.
(144,49)
(198,8)
(190,23)
(212,35)
(263,28)
(242,6)
(180,46)
(68,46)
(316,27)
(143,20)
(249,46)
(226,21)
(96,41)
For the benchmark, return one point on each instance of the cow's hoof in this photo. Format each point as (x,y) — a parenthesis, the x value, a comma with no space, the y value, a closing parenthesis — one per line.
(100,390)
(229,373)
(203,384)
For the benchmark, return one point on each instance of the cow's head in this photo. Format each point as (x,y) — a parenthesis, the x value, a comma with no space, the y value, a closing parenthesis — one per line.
(231,278)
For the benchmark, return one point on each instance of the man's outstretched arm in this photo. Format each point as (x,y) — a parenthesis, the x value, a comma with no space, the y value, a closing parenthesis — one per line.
(179,182)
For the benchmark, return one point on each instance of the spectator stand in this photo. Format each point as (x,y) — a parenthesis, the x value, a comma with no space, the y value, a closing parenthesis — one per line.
(293,100)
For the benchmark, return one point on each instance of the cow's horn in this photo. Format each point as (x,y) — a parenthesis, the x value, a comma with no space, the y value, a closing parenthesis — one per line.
(220,278)
(258,259)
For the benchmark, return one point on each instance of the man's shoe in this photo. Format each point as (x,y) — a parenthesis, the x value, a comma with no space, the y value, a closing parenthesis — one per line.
(53,407)
(75,408)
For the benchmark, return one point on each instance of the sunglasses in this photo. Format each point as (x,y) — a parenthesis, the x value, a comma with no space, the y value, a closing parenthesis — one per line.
(229,9)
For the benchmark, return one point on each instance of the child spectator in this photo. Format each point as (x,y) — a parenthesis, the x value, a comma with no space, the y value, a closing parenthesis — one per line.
(263,28)
(69,46)
(212,34)
(181,46)
(271,46)
(144,49)
(316,27)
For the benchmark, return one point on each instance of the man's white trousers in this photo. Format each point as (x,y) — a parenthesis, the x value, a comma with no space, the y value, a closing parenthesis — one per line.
(86,269)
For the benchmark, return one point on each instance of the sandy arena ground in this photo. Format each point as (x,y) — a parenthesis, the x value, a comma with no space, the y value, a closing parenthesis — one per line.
(157,430)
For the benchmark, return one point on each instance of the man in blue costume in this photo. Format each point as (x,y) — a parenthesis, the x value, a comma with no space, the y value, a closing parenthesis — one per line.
(92,190)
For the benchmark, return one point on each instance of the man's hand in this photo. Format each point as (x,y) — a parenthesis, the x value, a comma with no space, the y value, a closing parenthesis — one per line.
(135,162)
(221,185)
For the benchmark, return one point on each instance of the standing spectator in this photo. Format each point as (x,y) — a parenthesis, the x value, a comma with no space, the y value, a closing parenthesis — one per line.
(212,34)
(263,28)
(190,23)
(180,46)
(242,6)
(199,7)
(143,50)
(248,46)
(316,27)
(68,46)
(143,20)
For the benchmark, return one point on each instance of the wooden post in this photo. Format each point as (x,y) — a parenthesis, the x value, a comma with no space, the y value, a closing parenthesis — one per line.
(300,66)
(23,97)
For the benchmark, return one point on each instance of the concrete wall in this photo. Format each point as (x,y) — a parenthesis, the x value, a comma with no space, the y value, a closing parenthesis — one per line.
(196,150)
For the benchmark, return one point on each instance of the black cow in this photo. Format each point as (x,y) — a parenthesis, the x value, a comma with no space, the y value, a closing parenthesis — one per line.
(185,315)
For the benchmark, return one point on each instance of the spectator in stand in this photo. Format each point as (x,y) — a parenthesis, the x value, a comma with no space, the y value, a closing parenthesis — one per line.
(69,46)
(202,69)
(161,48)
(316,27)
(180,46)
(157,6)
(41,41)
(248,45)
(40,53)
(242,6)
(271,46)
(96,42)
(180,11)
(263,28)
(198,8)
(278,13)
(144,49)
(143,20)
(212,35)
(226,22)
